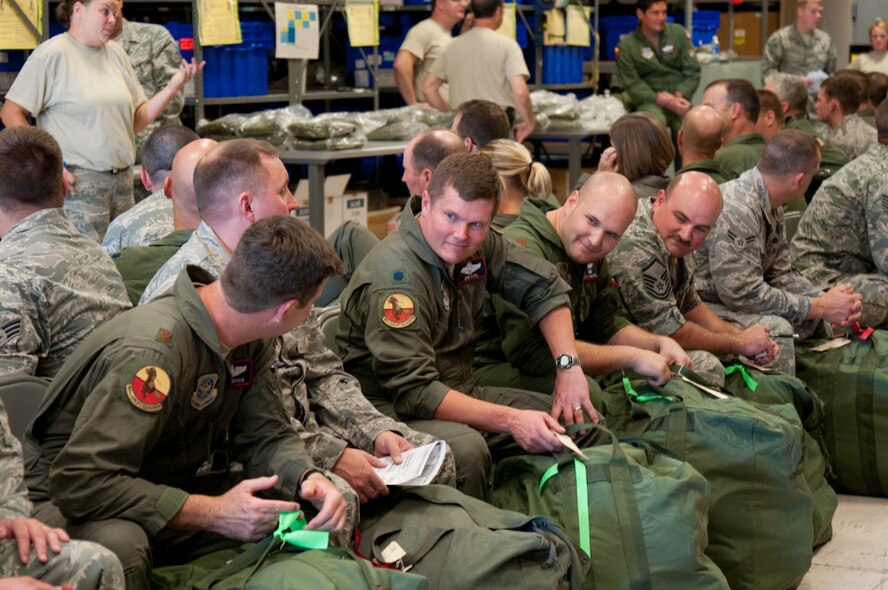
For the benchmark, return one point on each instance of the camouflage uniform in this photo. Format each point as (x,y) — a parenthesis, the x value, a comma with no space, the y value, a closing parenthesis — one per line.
(743,269)
(57,286)
(853,136)
(97,198)
(645,70)
(149,220)
(843,236)
(80,564)
(139,264)
(648,186)
(790,52)
(155,58)
(831,159)
(657,288)
(709,167)
(740,154)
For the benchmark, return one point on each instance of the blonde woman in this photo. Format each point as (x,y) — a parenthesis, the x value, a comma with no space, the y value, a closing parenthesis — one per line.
(521,177)
(877,59)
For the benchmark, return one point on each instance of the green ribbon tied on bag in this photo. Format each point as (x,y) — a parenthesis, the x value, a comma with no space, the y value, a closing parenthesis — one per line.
(751,383)
(582,500)
(290,530)
(642,398)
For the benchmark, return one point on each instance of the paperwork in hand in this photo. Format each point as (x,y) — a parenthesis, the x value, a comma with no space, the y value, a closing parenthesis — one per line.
(419,467)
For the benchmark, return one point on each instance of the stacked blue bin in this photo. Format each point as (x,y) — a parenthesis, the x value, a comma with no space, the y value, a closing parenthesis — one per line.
(705,26)
(563,64)
(612,28)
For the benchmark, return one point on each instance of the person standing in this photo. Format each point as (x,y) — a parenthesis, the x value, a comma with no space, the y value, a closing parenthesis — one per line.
(422,46)
(84,91)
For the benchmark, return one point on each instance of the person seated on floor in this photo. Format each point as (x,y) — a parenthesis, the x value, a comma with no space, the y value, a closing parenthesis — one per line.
(151,218)
(56,285)
(699,138)
(654,268)
(423,154)
(743,268)
(576,238)
(139,264)
(843,235)
(409,325)
(737,101)
(478,122)
(878,88)
(36,556)
(114,451)
(837,102)
(864,110)
(770,119)
(641,150)
(521,178)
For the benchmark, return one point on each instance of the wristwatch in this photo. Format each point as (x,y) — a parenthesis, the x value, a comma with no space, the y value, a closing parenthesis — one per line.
(566,361)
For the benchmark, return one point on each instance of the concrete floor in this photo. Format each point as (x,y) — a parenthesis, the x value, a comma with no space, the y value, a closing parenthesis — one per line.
(857,556)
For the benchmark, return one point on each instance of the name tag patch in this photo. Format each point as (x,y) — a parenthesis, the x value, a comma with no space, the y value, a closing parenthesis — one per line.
(472,270)
(242,373)
(647,52)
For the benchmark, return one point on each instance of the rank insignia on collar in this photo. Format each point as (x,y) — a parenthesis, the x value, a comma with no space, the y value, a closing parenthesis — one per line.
(591,272)
(472,270)
(398,311)
(241,373)
(206,391)
(149,388)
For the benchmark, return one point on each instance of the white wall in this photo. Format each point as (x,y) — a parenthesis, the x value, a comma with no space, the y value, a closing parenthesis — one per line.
(838,23)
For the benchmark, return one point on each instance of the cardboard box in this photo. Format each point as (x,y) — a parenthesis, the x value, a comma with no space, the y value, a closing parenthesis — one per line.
(747,31)
(377,221)
(354,207)
(334,189)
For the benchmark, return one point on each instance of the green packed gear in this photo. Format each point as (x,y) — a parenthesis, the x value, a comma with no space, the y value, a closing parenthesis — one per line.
(461,542)
(621,505)
(773,387)
(752,457)
(852,381)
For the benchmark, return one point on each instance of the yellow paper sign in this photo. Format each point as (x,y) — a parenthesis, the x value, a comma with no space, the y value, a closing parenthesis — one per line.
(14,34)
(554,30)
(362,19)
(578,26)
(507,29)
(218,22)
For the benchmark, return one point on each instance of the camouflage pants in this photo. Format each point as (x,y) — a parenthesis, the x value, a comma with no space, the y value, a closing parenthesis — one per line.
(708,366)
(874,289)
(97,198)
(81,565)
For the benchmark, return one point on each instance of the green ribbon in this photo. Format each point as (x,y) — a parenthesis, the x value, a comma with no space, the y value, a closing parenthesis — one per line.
(582,501)
(747,378)
(627,387)
(291,527)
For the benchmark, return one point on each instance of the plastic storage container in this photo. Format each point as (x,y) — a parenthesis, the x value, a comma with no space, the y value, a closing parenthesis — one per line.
(238,70)
(563,64)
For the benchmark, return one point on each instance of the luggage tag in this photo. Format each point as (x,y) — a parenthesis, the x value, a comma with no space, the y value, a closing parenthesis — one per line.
(571,446)
(714,393)
(831,344)
(394,553)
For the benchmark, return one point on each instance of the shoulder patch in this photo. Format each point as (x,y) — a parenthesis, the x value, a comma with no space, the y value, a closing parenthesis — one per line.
(148,388)
(472,270)
(398,311)
(206,391)
(647,52)
(656,280)
(13,328)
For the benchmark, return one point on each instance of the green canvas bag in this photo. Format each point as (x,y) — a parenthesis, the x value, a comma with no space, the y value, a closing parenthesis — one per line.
(638,512)
(458,542)
(852,381)
(774,387)
(761,510)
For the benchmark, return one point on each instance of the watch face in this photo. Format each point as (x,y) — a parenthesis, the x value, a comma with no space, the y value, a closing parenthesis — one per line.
(564,361)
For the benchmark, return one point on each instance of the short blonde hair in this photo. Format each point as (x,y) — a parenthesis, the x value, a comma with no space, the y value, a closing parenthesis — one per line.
(516,167)
(878,24)
(802,3)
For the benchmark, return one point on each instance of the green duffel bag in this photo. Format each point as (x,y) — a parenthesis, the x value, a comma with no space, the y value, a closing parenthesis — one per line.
(852,381)
(761,510)
(268,566)
(457,541)
(639,514)
(773,387)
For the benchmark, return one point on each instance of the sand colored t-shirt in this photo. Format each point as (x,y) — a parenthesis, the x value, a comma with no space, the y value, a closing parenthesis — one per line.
(426,41)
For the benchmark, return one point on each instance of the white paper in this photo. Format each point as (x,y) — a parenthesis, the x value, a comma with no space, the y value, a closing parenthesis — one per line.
(830,344)
(701,387)
(419,467)
(571,446)
(296,31)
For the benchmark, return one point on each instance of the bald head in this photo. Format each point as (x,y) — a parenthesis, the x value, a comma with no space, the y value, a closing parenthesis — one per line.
(423,154)
(701,133)
(594,218)
(180,185)
(685,212)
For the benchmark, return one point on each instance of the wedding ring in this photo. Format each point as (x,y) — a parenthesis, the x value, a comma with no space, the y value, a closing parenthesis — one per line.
(578,409)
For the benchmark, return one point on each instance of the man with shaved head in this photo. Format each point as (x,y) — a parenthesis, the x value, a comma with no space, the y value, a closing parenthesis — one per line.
(138,264)
(699,138)
(655,270)
(577,238)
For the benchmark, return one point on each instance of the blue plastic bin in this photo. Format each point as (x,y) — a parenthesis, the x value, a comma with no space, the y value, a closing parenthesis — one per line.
(563,64)
(612,28)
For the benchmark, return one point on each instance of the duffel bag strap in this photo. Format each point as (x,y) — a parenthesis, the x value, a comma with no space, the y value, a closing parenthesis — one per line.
(751,383)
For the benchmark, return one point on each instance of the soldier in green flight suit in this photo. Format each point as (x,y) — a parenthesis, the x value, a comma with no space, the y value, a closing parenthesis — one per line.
(658,66)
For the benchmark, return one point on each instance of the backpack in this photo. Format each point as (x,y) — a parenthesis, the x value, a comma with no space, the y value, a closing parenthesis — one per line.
(457,541)
(636,511)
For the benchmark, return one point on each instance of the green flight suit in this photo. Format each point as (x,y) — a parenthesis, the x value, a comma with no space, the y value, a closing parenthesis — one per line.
(645,70)
(512,349)
(138,264)
(740,154)
(136,410)
(709,167)
(409,325)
